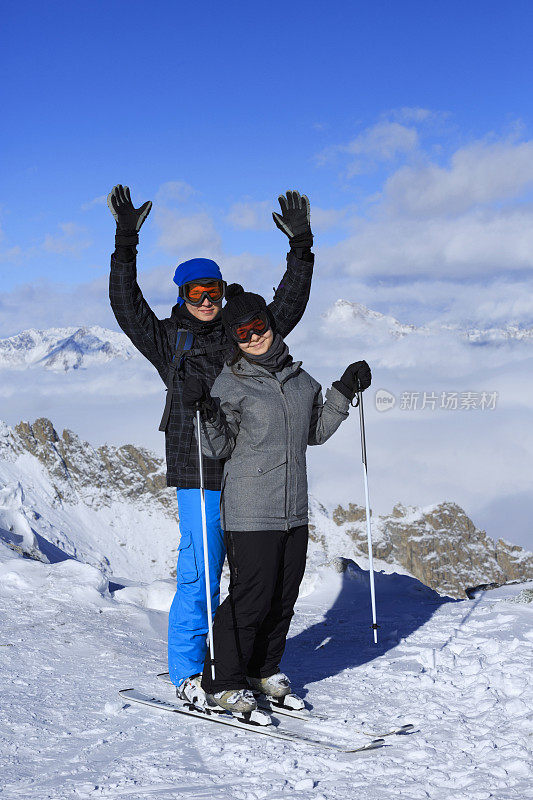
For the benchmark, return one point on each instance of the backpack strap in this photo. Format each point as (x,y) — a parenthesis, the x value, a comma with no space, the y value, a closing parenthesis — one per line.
(208,350)
(184,341)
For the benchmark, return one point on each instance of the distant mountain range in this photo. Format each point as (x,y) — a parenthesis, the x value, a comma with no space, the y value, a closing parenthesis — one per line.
(63,349)
(358,320)
(60,498)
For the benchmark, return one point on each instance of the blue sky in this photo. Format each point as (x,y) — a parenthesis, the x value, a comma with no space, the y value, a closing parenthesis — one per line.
(230,104)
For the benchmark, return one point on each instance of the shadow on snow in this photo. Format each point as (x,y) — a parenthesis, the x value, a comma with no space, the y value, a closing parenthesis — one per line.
(343,638)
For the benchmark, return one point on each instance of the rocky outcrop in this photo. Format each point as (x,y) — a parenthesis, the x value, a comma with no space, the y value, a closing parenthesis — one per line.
(96,476)
(439,545)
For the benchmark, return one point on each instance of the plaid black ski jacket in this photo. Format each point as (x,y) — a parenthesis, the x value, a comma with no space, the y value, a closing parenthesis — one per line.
(156,340)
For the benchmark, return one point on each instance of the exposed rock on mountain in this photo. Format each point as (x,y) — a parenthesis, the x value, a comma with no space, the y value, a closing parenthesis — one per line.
(61,498)
(109,506)
(439,545)
(97,476)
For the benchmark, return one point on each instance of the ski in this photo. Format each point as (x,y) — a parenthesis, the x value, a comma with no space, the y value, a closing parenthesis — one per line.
(401,729)
(225,718)
(270,704)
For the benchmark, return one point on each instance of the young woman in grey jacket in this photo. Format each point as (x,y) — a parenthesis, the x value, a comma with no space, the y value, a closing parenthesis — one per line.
(262,413)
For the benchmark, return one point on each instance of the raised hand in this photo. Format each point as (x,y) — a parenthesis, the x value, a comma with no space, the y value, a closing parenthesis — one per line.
(127,217)
(294,219)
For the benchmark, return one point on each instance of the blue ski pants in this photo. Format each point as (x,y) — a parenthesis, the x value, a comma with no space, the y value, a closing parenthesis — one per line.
(187,622)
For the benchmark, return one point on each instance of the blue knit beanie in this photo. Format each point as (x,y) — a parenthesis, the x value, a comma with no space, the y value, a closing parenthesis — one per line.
(194,269)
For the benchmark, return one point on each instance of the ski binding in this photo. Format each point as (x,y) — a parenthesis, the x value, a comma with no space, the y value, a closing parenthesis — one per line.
(289,706)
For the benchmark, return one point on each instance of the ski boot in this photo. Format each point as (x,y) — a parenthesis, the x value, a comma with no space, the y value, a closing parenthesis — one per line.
(241,704)
(241,700)
(277,690)
(277,685)
(190,691)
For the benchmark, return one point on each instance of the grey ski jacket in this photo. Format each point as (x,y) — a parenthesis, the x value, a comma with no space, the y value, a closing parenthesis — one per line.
(262,429)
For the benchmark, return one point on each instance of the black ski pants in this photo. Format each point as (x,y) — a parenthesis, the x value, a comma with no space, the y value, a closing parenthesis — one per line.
(251,625)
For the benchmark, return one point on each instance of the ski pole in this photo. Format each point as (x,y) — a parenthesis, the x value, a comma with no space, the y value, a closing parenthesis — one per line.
(206,551)
(367,501)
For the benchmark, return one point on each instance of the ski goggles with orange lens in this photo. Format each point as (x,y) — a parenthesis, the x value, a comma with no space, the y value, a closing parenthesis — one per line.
(243,331)
(195,292)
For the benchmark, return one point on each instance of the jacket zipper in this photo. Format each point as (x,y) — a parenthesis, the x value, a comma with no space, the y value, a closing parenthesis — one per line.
(287,428)
(287,469)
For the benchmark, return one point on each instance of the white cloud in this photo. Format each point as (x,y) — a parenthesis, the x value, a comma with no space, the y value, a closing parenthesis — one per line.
(251,215)
(11,254)
(381,142)
(179,191)
(323,219)
(180,234)
(384,141)
(43,305)
(256,273)
(257,216)
(478,243)
(101,200)
(413,114)
(71,241)
(480,173)
(465,220)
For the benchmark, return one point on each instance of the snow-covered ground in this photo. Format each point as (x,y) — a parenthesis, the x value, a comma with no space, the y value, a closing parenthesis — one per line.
(460,670)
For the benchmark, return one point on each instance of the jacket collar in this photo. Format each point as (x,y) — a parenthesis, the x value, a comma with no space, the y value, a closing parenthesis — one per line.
(247,369)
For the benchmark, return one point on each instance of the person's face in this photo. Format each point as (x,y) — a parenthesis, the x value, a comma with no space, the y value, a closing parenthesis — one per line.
(206,312)
(258,344)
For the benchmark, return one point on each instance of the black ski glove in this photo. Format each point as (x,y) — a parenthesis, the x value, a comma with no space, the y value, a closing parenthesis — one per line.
(128,218)
(294,219)
(356,377)
(195,394)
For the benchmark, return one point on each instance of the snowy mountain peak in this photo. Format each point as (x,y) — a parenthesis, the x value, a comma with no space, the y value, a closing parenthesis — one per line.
(347,319)
(64,348)
(355,318)
(61,498)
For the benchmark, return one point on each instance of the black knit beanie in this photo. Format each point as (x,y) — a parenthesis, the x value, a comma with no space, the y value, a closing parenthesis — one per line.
(241,306)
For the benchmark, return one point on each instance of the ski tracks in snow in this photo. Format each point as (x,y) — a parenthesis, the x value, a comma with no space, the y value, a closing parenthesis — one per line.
(462,673)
